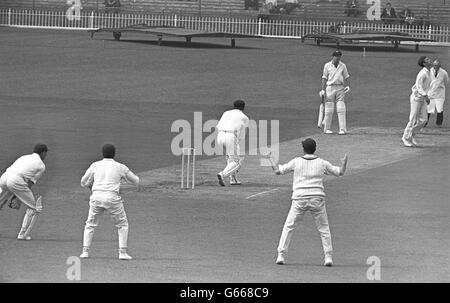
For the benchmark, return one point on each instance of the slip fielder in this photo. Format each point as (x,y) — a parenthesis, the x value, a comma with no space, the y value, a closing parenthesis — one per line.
(335,84)
(17,181)
(308,195)
(104,178)
(231,135)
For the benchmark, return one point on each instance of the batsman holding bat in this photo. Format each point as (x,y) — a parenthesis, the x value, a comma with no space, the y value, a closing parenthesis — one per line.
(308,195)
(335,84)
(16,183)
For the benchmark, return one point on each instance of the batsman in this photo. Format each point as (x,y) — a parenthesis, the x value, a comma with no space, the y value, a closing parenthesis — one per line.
(335,84)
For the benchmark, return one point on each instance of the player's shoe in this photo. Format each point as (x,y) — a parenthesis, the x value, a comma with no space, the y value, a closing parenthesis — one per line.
(219,176)
(328,261)
(234,181)
(413,141)
(342,132)
(280,259)
(406,142)
(124,256)
(23,237)
(328,132)
(84,255)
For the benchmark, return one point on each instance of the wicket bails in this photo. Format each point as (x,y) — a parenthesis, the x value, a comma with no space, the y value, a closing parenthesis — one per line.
(187,166)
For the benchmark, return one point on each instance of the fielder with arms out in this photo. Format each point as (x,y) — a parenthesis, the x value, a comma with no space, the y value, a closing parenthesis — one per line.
(308,195)
(103,178)
(16,183)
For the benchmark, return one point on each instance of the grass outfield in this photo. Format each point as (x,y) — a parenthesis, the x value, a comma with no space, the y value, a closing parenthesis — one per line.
(75,94)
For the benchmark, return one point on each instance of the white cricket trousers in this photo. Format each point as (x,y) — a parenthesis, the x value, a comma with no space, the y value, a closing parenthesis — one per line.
(436,105)
(14,185)
(316,206)
(418,116)
(233,153)
(111,203)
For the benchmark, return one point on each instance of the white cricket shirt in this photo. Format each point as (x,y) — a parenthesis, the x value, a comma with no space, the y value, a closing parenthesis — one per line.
(29,167)
(233,121)
(438,84)
(105,175)
(308,175)
(335,75)
(421,88)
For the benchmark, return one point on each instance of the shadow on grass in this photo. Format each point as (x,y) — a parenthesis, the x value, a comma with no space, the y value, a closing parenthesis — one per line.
(182,44)
(379,48)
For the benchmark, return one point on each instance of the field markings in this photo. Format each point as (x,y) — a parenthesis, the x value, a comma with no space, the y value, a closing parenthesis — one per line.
(263,193)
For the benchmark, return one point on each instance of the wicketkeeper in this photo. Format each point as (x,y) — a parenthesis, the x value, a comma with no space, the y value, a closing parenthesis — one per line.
(231,135)
(16,183)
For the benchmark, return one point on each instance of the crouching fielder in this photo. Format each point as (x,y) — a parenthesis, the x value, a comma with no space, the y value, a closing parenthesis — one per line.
(16,183)
(231,134)
(103,178)
(308,195)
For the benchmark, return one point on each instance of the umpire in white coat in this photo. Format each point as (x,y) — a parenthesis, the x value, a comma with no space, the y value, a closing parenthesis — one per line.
(439,80)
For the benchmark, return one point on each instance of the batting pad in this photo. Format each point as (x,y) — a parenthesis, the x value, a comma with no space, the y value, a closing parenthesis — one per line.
(329,110)
(341,113)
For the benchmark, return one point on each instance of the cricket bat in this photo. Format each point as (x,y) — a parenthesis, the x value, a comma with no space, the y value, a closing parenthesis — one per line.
(321,112)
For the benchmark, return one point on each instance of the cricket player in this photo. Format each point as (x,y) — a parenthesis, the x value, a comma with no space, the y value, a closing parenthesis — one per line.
(231,135)
(104,178)
(335,84)
(17,181)
(418,102)
(439,80)
(308,195)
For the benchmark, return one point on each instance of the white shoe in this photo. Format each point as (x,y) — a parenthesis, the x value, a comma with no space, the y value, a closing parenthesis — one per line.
(22,237)
(342,132)
(328,261)
(406,142)
(84,255)
(124,256)
(413,141)
(328,132)
(280,259)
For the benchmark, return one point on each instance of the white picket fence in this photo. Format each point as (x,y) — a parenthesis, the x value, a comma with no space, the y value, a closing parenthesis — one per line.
(268,28)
